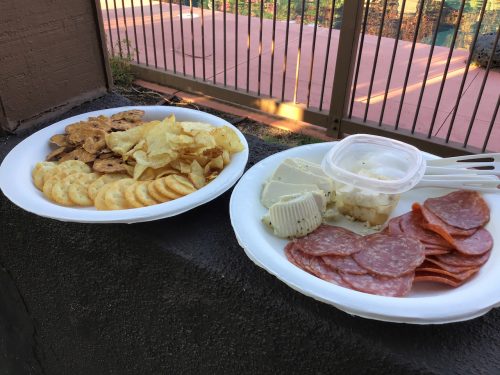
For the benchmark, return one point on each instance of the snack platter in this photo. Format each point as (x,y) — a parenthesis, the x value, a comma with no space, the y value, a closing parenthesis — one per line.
(426,303)
(20,166)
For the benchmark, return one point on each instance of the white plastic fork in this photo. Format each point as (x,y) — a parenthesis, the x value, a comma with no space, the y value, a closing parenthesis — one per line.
(460,173)
(462,163)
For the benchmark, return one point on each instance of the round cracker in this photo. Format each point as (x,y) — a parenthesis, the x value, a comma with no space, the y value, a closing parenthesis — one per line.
(60,189)
(74,165)
(156,194)
(179,184)
(51,173)
(95,186)
(160,186)
(115,195)
(142,194)
(39,171)
(130,196)
(99,201)
(78,193)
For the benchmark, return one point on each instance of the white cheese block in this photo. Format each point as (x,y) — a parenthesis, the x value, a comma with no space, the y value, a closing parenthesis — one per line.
(295,215)
(306,166)
(274,190)
(292,174)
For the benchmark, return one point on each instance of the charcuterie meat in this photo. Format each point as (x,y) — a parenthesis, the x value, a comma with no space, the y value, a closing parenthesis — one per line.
(329,240)
(312,264)
(412,225)
(383,286)
(344,264)
(442,279)
(479,243)
(394,225)
(461,260)
(463,209)
(433,268)
(435,224)
(449,267)
(390,256)
(321,270)
(432,243)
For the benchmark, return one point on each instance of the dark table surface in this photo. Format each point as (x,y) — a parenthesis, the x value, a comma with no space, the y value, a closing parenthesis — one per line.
(179,296)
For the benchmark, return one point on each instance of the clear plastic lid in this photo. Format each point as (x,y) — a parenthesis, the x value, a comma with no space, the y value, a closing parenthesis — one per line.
(375,163)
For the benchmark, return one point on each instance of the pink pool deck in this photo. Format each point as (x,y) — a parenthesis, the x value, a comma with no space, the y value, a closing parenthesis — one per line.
(236,64)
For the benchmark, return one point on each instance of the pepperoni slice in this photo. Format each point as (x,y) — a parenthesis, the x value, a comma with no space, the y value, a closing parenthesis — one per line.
(433,268)
(382,286)
(436,251)
(477,244)
(344,264)
(461,260)
(442,279)
(329,240)
(463,209)
(391,256)
(435,224)
(448,267)
(412,225)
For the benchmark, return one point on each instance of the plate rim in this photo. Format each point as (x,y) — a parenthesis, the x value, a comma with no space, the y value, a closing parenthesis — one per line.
(230,174)
(488,300)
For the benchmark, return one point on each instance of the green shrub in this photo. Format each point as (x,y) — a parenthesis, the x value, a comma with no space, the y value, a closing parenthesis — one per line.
(121,69)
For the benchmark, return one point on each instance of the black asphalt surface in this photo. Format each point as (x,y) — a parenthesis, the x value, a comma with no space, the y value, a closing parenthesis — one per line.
(179,296)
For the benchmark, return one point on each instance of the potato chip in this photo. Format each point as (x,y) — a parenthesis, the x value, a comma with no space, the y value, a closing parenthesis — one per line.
(228,139)
(193,128)
(216,164)
(226,157)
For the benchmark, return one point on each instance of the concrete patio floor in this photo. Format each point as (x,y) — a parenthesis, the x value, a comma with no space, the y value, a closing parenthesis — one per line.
(236,65)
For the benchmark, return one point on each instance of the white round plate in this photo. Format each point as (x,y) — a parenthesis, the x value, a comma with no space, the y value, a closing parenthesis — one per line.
(426,304)
(16,183)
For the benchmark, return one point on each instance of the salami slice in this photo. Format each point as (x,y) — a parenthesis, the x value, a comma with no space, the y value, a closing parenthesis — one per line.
(313,265)
(329,240)
(382,286)
(442,279)
(432,268)
(412,225)
(390,256)
(463,209)
(448,267)
(321,270)
(344,264)
(394,225)
(461,260)
(479,243)
(435,224)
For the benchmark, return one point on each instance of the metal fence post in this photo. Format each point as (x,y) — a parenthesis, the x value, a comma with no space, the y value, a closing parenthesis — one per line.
(344,68)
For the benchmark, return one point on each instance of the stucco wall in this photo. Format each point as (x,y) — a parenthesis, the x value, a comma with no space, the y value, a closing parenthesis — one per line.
(50,59)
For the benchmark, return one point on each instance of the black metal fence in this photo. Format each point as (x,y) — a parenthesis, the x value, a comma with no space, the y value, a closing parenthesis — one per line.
(400,68)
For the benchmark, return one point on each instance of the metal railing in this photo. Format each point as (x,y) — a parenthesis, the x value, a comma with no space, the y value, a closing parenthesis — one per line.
(374,66)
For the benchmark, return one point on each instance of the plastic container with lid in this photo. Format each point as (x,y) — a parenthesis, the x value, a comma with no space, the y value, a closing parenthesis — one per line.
(370,172)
